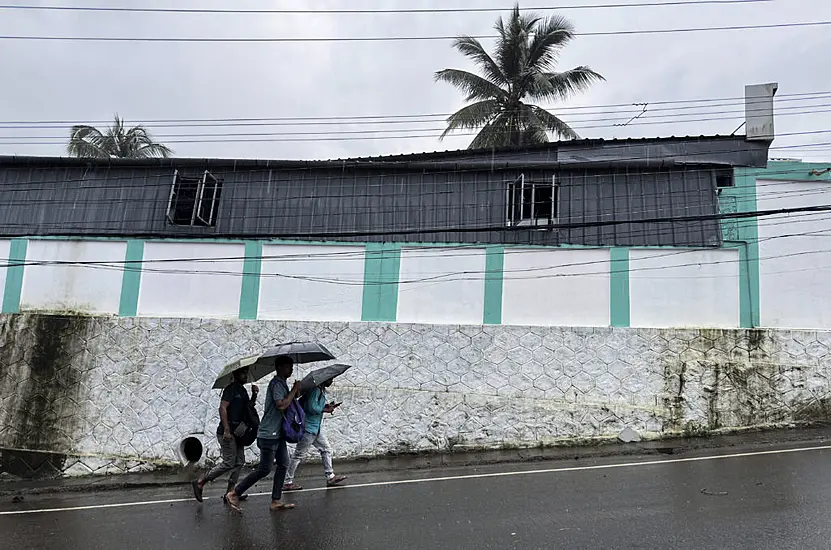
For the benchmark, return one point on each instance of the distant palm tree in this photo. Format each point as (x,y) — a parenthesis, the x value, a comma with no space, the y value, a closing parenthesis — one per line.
(116,141)
(526,53)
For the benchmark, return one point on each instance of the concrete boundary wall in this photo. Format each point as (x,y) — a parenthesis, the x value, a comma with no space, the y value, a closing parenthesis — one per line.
(81,395)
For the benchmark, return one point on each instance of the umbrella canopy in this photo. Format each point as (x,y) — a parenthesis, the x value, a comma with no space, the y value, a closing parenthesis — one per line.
(263,364)
(322,375)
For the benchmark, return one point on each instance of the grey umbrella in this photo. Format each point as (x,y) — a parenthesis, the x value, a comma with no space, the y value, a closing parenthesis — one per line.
(263,364)
(322,375)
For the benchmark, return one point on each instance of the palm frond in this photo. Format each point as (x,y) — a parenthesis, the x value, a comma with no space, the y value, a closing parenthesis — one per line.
(476,87)
(472,116)
(494,134)
(512,45)
(473,49)
(86,142)
(558,86)
(550,36)
(116,141)
(551,123)
(153,150)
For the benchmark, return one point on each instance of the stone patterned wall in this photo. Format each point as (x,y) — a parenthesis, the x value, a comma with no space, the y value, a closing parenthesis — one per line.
(105,395)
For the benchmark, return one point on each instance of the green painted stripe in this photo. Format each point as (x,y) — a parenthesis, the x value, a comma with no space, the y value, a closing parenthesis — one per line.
(381,271)
(14,275)
(249,299)
(494,274)
(742,198)
(619,313)
(131,281)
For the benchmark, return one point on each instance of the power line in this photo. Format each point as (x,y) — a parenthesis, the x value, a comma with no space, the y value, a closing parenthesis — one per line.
(450,276)
(500,228)
(669,3)
(427,251)
(624,114)
(220,40)
(398,131)
(727,101)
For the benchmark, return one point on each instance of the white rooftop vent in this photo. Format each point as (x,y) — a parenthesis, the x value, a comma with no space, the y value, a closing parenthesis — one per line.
(758,111)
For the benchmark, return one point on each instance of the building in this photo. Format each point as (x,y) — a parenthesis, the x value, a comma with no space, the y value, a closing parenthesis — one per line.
(486,298)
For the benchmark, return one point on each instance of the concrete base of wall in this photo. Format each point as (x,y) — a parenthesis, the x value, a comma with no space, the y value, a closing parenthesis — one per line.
(111,395)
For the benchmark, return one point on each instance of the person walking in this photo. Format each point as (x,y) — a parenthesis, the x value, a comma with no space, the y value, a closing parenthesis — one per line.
(314,404)
(234,406)
(270,439)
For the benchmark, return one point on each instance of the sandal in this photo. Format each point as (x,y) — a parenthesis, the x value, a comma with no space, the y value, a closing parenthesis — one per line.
(335,481)
(232,500)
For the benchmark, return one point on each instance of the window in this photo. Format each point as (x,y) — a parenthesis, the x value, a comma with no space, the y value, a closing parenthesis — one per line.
(194,200)
(532,202)
(724,179)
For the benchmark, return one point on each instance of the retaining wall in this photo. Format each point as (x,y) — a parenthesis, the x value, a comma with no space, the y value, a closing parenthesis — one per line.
(81,395)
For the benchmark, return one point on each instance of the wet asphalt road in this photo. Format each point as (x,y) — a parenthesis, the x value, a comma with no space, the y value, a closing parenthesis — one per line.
(774,501)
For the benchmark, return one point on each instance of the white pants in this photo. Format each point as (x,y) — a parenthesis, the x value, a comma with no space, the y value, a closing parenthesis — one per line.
(321,444)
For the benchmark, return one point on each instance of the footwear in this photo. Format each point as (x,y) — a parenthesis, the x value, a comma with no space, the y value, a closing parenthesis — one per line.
(279,506)
(243,498)
(197,490)
(334,481)
(232,500)
(288,487)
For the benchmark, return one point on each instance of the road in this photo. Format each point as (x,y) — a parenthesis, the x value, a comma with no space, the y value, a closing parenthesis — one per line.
(772,498)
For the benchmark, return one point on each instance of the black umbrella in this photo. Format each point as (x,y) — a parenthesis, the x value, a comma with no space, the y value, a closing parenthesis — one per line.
(322,375)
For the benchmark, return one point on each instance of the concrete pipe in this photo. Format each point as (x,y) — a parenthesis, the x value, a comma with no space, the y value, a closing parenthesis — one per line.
(190,450)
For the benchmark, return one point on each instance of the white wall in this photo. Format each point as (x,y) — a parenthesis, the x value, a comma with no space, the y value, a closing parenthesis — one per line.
(89,288)
(316,283)
(453,287)
(556,287)
(5,246)
(794,256)
(696,288)
(191,288)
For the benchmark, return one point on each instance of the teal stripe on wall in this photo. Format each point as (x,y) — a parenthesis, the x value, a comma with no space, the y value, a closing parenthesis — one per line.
(249,300)
(494,275)
(131,281)
(619,290)
(744,235)
(14,276)
(381,271)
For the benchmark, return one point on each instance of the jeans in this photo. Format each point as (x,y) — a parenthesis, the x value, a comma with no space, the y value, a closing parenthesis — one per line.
(233,459)
(321,444)
(270,450)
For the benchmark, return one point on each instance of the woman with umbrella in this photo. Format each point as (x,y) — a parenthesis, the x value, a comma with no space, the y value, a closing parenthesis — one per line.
(315,403)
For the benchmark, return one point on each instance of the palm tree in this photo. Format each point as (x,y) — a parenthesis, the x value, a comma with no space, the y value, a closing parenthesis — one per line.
(526,53)
(116,141)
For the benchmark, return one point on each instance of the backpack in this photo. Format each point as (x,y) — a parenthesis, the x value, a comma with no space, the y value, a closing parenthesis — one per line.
(294,422)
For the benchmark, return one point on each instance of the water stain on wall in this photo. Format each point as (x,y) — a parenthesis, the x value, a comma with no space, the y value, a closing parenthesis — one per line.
(42,389)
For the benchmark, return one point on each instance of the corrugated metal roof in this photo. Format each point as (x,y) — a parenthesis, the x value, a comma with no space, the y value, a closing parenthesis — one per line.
(551,147)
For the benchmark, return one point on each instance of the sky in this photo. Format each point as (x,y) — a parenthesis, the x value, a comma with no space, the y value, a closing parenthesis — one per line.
(87,82)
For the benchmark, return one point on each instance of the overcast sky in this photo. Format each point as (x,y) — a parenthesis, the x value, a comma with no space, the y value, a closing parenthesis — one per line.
(88,82)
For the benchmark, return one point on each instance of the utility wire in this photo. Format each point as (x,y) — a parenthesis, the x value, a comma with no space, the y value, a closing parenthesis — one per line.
(373,11)
(260,40)
(329,132)
(789,111)
(803,96)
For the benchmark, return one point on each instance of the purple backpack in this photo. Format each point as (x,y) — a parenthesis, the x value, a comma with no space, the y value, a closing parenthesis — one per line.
(294,422)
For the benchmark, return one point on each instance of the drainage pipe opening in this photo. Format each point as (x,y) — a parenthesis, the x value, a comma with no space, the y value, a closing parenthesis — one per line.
(190,450)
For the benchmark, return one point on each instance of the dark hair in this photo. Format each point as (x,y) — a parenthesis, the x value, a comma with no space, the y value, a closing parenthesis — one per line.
(283,360)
